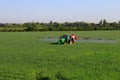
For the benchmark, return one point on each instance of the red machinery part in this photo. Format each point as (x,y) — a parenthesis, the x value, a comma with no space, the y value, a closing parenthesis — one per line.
(73,37)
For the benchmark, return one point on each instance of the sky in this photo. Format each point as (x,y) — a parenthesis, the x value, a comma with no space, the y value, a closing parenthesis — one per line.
(20,11)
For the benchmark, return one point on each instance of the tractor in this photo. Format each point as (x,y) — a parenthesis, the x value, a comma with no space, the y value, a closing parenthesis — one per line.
(66,39)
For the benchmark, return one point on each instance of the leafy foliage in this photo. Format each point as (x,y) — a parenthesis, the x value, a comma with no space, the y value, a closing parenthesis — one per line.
(55,26)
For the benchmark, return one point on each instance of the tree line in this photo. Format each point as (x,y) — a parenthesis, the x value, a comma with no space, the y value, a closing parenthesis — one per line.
(55,26)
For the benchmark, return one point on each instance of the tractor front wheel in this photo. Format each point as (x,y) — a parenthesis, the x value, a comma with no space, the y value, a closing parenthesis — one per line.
(65,43)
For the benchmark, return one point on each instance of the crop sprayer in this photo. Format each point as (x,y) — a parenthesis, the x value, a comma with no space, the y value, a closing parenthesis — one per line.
(67,39)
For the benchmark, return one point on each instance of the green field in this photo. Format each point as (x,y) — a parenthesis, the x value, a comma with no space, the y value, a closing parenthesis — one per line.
(25,56)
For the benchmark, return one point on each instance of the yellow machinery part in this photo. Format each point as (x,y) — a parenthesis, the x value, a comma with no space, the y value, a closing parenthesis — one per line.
(71,42)
(65,43)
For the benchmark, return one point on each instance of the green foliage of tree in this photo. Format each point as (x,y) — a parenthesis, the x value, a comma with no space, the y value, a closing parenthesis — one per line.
(55,26)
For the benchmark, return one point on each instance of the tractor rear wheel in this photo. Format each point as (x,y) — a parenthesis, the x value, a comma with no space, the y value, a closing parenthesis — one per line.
(71,42)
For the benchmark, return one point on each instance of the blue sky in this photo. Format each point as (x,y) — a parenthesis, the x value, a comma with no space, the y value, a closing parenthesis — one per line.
(15,11)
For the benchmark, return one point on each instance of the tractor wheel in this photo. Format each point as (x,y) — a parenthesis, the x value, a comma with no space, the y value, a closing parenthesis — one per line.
(65,43)
(71,42)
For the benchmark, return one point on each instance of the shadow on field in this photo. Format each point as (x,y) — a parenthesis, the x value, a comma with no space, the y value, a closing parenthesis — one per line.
(53,43)
(58,76)
(40,76)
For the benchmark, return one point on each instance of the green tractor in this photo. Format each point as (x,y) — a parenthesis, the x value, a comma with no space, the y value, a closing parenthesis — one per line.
(66,39)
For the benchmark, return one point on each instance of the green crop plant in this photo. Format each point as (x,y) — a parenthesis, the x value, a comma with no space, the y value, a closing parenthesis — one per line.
(25,56)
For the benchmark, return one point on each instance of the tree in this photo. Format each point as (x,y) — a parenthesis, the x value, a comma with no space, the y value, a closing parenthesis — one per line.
(105,23)
(101,23)
(119,23)
(114,25)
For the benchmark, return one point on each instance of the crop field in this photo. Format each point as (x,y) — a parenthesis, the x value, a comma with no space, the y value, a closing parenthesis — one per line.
(27,56)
